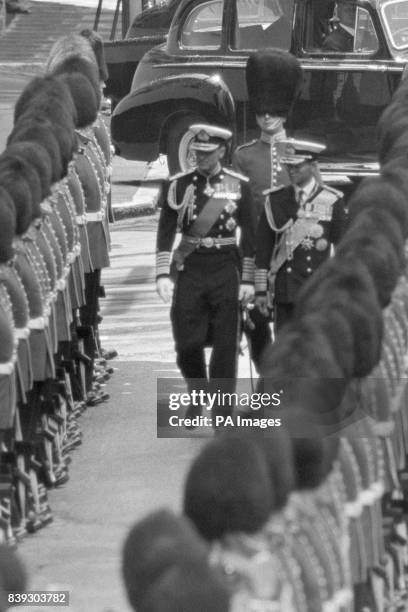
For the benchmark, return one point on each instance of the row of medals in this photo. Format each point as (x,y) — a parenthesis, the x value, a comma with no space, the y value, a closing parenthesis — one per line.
(313,239)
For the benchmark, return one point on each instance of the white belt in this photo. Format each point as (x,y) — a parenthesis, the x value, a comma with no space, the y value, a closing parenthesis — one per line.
(38,323)
(81,219)
(61,284)
(22,332)
(367,497)
(378,489)
(77,249)
(95,216)
(353,509)
(7,368)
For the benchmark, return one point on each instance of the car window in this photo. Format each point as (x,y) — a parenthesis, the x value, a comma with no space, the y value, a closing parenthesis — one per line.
(202,28)
(339,27)
(395,15)
(342,109)
(263,23)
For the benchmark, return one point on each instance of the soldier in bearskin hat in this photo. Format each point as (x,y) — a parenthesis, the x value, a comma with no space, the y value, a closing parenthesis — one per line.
(273,78)
(295,232)
(165,568)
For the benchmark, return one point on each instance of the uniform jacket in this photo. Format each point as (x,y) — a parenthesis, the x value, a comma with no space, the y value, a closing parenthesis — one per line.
(306,258)
(190,187)
(259,161)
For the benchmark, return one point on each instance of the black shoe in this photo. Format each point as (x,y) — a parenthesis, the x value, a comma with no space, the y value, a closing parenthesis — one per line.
(109,354)
(192,412)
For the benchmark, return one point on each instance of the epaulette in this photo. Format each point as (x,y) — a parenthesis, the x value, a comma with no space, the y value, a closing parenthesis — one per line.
(236,175)
(180,174)
(336,192)
(273,189)
(247,144)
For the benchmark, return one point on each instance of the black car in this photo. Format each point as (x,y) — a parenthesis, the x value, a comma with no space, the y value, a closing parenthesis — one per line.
(198,75)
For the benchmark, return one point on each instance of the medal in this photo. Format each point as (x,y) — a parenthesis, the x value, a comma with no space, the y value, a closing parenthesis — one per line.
(307,243)
(321,244)
(231,224)
(230,208)
(208,191)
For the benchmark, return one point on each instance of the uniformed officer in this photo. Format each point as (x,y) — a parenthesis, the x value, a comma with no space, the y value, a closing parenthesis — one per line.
(296,230)
(207,204)
(273,80)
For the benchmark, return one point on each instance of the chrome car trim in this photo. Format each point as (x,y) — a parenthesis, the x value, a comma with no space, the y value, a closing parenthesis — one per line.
(224,63)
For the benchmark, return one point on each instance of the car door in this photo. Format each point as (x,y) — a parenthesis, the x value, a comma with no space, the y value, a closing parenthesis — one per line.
(349,80)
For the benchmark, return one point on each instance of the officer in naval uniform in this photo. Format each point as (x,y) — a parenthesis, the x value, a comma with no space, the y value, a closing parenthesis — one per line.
(295,232)
(207,204)
(273,80)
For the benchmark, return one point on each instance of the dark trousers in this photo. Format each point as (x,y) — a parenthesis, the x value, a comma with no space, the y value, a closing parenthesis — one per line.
(259,337)
(283,314)
(205,312)
(89,320)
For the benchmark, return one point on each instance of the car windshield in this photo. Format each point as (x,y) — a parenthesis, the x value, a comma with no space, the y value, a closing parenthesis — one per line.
(395,16)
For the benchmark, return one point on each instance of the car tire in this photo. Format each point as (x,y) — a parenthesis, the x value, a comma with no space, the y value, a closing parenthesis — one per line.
(178,139)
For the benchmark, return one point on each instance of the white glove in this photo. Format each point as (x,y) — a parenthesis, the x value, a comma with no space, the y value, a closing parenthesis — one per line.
(165,288)
(246,293)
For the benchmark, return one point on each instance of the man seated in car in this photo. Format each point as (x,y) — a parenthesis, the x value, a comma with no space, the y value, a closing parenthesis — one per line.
(341,39)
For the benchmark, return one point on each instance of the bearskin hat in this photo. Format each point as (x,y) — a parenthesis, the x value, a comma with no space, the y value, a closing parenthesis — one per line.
(54,110)
(39,133)
(274,78)
(7,226)
(23,170)
(380,222)
(187,586)
(96,43)
(366,321)
(19,192)
(338,333)
(346,286)
(66,138)
(278,453)
(75,64)
(303,364)
(228,488)
(37,156)
(393,146)
(381,260)
(314,455)
(381,194)
(47,88)
(394,172)
(152,546)
(71,45)
(85,101)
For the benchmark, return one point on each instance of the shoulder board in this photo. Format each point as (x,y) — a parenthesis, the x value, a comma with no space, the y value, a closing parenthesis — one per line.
(246,144)
(236,175)
(336,192)
(273,190)
(180,174)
